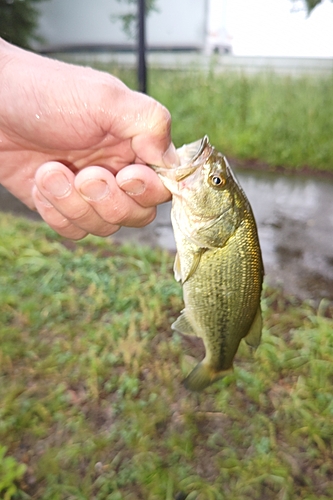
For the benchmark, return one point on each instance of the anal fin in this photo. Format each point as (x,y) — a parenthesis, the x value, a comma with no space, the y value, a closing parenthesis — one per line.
(182,325)
(177,269)
(253,336)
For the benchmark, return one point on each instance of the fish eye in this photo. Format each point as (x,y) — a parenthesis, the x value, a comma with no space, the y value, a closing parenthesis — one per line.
(217,180)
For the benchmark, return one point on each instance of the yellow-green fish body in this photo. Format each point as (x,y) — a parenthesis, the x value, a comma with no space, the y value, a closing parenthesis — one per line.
(218,259)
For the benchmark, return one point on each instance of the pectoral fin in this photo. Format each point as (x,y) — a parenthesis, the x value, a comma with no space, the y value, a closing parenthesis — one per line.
(182,325)
(177,269)
(254,335)
(195,263)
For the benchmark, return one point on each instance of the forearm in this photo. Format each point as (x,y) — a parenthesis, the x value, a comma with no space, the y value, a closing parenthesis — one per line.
(5,50)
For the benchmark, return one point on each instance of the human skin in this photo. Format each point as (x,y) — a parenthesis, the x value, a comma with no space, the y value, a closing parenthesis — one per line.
(75,145)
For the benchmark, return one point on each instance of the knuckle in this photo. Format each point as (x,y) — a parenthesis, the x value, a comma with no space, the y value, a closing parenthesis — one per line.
(107,231)
(60,224)
(68,230)
(148,219)
(161,117)
(79,214)
(75,235)
(145,217)
(119,213)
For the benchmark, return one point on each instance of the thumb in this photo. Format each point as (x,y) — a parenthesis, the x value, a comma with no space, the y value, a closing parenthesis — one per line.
(147,123)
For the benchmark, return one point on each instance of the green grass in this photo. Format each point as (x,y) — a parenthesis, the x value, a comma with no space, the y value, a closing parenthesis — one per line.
(279,120)
(91,400)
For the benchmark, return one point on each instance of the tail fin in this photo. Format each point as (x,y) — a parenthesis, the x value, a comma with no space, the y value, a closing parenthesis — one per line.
(202,376)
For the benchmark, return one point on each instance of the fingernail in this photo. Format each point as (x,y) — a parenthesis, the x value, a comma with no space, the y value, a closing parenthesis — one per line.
(56,183)
(133,186)
(170,157)
(95,190)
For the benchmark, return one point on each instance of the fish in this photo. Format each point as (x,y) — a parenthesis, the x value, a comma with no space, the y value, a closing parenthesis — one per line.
(218,260)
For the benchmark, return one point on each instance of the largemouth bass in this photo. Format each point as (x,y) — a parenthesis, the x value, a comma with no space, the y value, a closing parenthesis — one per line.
(218,259)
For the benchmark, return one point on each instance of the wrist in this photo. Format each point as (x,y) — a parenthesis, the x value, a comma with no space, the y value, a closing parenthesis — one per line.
(3,51)
(6,52)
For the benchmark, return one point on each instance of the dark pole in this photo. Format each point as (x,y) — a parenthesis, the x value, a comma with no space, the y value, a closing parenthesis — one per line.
(142,68)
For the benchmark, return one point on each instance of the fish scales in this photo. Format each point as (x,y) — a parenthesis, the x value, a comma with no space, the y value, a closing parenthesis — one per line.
(220,298)
(218,259)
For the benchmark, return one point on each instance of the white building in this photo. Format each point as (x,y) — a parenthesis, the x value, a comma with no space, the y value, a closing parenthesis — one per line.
(178,24)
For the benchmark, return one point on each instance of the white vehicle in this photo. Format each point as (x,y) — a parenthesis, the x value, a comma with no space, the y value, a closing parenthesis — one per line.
(218,39)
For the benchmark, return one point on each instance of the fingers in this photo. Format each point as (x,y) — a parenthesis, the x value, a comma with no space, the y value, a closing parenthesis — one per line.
(143,185)
(94,201)
(55,219)
(99,188)
(62,207)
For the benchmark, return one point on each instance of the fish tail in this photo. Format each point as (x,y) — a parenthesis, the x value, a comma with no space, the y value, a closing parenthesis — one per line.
(202,376)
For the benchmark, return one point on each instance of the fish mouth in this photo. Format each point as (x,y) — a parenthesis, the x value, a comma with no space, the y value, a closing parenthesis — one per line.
(191,156)
(190,153)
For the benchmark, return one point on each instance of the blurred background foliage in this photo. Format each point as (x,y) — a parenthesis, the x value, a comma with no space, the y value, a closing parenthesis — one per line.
(19,21)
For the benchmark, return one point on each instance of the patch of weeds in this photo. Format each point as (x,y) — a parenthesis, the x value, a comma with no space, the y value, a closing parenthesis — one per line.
(91,400)
(11,472)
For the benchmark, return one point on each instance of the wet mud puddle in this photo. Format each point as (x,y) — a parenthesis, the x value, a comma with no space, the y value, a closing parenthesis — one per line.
(295,222)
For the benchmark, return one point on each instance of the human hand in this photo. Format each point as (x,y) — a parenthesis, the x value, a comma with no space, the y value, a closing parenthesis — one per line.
(75,144)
